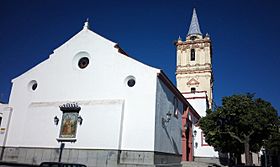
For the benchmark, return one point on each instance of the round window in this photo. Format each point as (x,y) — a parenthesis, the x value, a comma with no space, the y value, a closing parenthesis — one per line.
(83,62)
(131,82)
(33,85)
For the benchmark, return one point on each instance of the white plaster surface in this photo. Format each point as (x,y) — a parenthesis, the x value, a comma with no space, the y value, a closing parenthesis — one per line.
(5,114)
(115,116)
(202,149)
(199,102)
(168,137)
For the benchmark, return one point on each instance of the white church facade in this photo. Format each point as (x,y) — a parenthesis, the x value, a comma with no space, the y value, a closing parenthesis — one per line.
(105,107)
(91,103)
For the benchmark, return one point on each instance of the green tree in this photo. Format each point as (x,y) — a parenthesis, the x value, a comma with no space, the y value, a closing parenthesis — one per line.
(272,145)
(240,125)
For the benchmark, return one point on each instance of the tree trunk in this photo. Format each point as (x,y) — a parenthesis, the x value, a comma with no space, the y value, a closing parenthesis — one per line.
(248,159)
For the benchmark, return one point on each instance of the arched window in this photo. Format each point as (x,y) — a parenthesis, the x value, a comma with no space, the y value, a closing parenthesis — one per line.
(192,55)
(193,38)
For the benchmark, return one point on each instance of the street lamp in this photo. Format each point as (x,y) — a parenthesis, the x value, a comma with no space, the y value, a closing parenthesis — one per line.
(80,120)
(167,119)
(56,120)
(196,144)
(194,133)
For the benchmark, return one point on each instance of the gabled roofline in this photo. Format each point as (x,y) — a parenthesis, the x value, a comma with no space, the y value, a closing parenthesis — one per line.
(178,94)
(120,50)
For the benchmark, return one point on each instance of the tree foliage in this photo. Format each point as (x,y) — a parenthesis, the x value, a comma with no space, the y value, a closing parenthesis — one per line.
(272,145)
(241,124)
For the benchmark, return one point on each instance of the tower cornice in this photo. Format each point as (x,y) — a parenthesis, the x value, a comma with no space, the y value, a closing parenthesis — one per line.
(186,71)
(190,42)
(195,65)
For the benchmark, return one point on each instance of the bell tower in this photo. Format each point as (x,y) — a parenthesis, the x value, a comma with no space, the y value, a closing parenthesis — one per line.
(194,63)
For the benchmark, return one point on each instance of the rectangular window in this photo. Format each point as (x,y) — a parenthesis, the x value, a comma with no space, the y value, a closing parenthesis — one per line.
(192,90)
(192,55)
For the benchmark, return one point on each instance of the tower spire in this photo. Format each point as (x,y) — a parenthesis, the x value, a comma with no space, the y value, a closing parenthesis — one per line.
(194,26)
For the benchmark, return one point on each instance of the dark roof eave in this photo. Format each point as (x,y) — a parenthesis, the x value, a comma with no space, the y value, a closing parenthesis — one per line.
(120,50)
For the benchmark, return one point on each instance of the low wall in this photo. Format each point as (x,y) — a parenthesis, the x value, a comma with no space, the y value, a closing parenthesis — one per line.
(90,157)
(207,159)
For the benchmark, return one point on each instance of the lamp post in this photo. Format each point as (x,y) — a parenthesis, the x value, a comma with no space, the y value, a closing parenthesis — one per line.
(62,145)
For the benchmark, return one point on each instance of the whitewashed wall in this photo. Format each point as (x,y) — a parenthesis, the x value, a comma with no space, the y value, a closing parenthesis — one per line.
(202,149)
(60,80)
(199,103)
(101,127)
(168,138)
(5,114)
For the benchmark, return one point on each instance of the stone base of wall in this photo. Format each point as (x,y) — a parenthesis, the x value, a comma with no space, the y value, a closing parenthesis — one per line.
(197,164)
(211,161)
(90,157)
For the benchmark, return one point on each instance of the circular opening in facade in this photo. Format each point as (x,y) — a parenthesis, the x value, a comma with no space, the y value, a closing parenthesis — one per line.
(33,85)
(131,82)
(83,62)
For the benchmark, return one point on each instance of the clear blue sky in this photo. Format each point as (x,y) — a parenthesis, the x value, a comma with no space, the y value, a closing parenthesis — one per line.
(245,36)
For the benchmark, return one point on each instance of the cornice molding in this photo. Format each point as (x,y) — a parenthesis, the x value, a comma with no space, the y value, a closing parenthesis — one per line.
(183,71)
(191,42)
(195,75)
(193,46)
(195,65)
(203,68)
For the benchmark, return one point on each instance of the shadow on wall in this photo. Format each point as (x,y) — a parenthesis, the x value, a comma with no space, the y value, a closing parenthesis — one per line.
(173,143)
